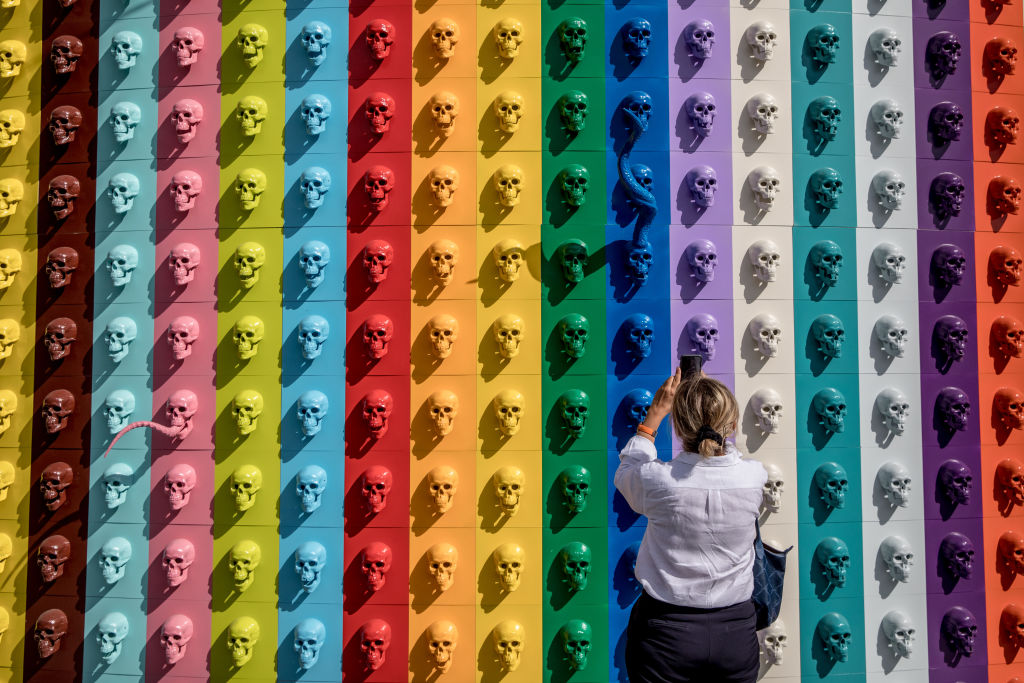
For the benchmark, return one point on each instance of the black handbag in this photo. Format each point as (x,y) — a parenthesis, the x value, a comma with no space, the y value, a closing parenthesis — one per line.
(769,575)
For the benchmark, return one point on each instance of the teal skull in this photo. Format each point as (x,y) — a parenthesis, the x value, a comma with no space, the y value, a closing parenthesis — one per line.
(826,260)
(828,331)
(574,483)
(576,565)
(832,484)
(573,257)
(574,181)
(835,634)
(577,640)
(833,557)
(826,186)
(574,406)
(825,115)
(823,44)
(574,330)
(830,405)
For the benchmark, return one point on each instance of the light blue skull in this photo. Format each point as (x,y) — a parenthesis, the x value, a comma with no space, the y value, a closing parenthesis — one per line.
(314,184)
(313,332)
(639,335)
(126,47)
(312,411)
(111,631)
(310,560)
(118,408)
(114,556)
(316,36)
(122,189)
(122,260)
(636,109)
(120,333)
(830,405)
(637,402)
(309,637)
(636,37)
(117,479)
(310,484)
(124,118)
(315,111)
(313,259)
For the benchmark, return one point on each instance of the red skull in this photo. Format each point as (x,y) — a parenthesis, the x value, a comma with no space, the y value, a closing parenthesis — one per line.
(380,34)
(377,332)
(377,257)
(379,109)
(1008,408)
(60,334)
(376,563)
(58,405)
(1011,551)
(64,122)
(1004,195)
(376,487)
(1000,56)
(60,264)
(1003,125)
(1010,480)
(53,484)
(1011,623)
(1007,335)
(65,51)
(374,642)
(52,625)
(377,407)
(378,183)
(53,552)
(1004,264)
(61,195)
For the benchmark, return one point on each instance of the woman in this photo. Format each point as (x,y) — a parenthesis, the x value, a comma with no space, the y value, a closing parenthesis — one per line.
(694,620)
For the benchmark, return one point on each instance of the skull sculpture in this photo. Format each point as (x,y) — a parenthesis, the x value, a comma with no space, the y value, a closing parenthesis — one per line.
(175,634)
(950,336)
(894,407)
(443,181)
(574,408)
(572,34)
(246,482)
(574,181)
(824,114)
(1011,551)
(60,334)
(889,262)
(111,631)
(701,109)
(65,120)
(313,407)
(835,635)
(1008,408)
(830,406)
(508,36)
(122,260)
(249,258)
(442,485)
(8,404)
(508,184)
(57,408)
(1010,480)
(314,330)
(178,484)
(443,330)
(1011,623)
(636,108)
(509,406)
(894,480)
(443,408)
(187,114)
(53,484)
(122,189)
(11,193)
(766,404)
(378,256)
(442,639)
(243,559)
(126,46)
(509,108)
(380,36)
(508,255)
(823,44)
(1002,125)
(945,121)
(766,332)
(763,111)
(942,54)
(314,183)
(639,335)
(444,109)
(702,181)
(509,561)
(308,638)
(898,557)
(251,40)
(885,47)
(699,36)
(117,409)
(892,334)
(182,406)
(954,409)
(310,561)
(315,38)
(577,640)
(508,483)
(764,184)
(182,333)
(10,266)
(703,332)
(182,262)
(186,186)
(314,257)
(574,484)
(50,629)
(442,561)
(12,124)
(114,557)
(576,562)
(833,558)
(374,643)
(1004,196)
(572,111)
(637,402)
(1007,336)
(250,184)
(888,119)
(956,556)
(243,634)
(762,38)
(1004,265)
(946,195)
(178,557)
(508,640)
(826,185)
(378,182)
(948,265)
(764,257)
(639,259)
(889,189)
(61,263)
(443,256)
(772,493)
(311,482)
(636,39)
(65,51)
(773,640)
(375,563)
(250,112)
(7,476)
(13,54)
(900,632)
(574,330)
(61,195)
(51,555)
(187,44)
(444,36)
(379,109)
(1000,57)
(376,412)
(826,259)
(314,111)
(832,484)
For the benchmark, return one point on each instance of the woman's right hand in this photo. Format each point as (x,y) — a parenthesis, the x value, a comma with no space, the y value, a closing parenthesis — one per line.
(663,399)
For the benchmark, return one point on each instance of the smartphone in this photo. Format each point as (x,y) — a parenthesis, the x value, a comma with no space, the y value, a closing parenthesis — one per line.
(691,364)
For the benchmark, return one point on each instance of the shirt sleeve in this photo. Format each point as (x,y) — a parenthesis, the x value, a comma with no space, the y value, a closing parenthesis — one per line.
(628,477)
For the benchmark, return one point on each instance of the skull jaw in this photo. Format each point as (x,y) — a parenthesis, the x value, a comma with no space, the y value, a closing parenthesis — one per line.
(373,659)
(56,351)
(509,427)
(109,652)
(46,649)
(309,584)
(114,500)
(175,577)
(244,501)
(50,573)
(58,279)
(177,501)
(311,426)
(52,500)
(54,424)
(173,653)
(240,656)
(311,503)
(509,660)
(375,580)
(242,584)
(112,575)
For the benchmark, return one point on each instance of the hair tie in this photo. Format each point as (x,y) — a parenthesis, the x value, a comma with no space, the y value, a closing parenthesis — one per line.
(706,432)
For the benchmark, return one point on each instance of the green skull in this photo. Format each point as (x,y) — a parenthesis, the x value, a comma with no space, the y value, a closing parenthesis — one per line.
(574,482)
(573,34)
(573,256)
(574,406)
(574,180)
(574,330)
(577,639)
(572,109)
(576,565)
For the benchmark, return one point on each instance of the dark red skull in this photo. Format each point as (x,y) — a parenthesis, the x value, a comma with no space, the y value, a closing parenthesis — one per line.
(1004,264)
(61,195)
(58,405)
(52,625)
(1003,125)
(1004,195)
(64,122)
(65,51)
(60,264)
(60,334)
(53,552)
(53,484)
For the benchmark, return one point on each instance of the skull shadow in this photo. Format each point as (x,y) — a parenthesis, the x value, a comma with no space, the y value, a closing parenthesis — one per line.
(813,69)
(689,141)
(876,72)
(820,438)
(823,661)
(881,360)
(823,590)
(817,362)
(558,66)
(816,214)
(755,438)
(489,587)
(749,67)
(815,146)
(627,589)
(424,438)
(490,62)
(559,212)
(424,133)
(426,63)
(883,649)
(883,435)
(625,517)
(886,583)
(491,438)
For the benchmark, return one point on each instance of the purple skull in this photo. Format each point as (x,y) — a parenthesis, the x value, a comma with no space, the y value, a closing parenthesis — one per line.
(949,263)
(950,335)
(945,121)
(703,332)
(637,402)
(956,553)
(943,54)
(703,183)
(702,255)
(946,195)
(701,108)
(955,478)
(638,262)
(639,335)
(959,629)
(954,408)
(699,36)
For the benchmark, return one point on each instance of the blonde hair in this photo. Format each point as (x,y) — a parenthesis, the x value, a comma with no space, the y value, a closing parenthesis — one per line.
(703,401)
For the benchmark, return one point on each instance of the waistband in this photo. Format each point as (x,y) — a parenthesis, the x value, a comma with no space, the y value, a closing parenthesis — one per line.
(652,606)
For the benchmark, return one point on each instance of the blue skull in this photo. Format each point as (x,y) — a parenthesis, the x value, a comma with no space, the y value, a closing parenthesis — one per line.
(643,175)
(639,259)
(310,560)
(316,36)
(636,109)
(637,402)
(308,637)
(639,335)
(312,410)
(313,332)
(310,484)
(315,111)
(314,183)
(313,259)
(636,37)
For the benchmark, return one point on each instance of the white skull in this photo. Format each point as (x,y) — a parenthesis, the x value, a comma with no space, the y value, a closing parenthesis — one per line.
(508,331)
(508,36)
(772,495)
(766,331)
(762,38)
(889,189)
(766,404)
(508,483)
(509,560)
(894,407)
(442,561)
(765,256)
(443,407)
(773,640)
(885,47)
(888,119)
(444,331)
(443,484)
(890,262)
(900,632)
(763,111)
(898,557)
(892,334)
(894,480)
(764,183)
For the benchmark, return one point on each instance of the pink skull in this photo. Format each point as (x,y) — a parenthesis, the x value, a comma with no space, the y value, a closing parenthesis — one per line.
(178,484)
(187,115)
(377,257)
(61,195)
(181,406)
(51,627)
(183,262)
(181,334)
(377,407)
(187,44)
(1004,263)
(59,336)
(174,636)
(53,484)
(58,405)
(61,263)
(376,563)
(377,332)
(379,109)
(380,34)
(377,483)
(378,183)
(53,552)
(185,187)
(64,123)
(179,555)
(1007,336)
(1008,408)
(374,641)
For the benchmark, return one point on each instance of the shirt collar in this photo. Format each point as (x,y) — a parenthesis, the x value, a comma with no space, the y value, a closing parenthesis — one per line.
(730,457)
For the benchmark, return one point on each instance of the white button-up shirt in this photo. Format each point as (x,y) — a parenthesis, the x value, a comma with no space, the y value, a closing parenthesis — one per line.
(698,549)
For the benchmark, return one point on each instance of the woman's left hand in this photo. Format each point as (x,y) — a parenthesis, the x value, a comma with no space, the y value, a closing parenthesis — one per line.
(663,399)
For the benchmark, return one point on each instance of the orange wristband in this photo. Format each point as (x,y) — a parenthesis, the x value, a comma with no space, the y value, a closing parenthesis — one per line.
(646,430)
